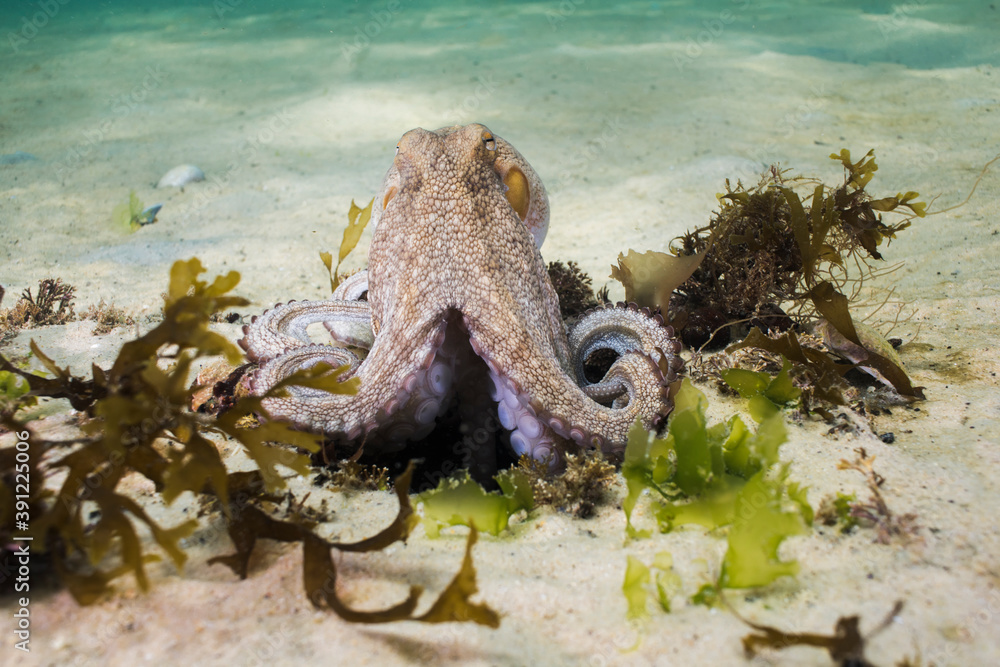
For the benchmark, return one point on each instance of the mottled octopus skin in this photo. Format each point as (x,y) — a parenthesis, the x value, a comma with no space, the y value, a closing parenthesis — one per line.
(454,266)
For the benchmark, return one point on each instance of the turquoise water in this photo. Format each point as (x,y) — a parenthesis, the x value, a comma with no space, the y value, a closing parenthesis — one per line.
(916,34)
(634,110)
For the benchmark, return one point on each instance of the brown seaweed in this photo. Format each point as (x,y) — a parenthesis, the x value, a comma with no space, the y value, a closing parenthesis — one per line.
(573,287)
(52,303)
(250,524)
(357,220)
(875,512)
(846,645)
(784,245)
(143,401)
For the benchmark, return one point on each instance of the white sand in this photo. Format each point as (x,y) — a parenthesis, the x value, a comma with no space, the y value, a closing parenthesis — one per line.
(633,125)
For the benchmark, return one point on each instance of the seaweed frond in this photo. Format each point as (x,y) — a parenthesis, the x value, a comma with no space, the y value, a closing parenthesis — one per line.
(765,395)
(787,251)
(639,580)
(846,646)
(461,501)
(131,215)
(142,399)
(52,303)
(350,476)
(875,511)
(143,423)
(250,524)
(357,220)
(108,317)
(723,475)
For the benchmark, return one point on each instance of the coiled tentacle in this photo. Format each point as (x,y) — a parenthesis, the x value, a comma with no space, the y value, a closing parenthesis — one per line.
(284,327)
(621,329)
(352,288)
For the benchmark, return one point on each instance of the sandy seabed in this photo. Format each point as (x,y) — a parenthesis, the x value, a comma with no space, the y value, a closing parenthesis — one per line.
(633,117)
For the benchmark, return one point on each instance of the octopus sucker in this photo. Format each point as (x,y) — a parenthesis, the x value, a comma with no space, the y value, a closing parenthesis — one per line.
(456,315)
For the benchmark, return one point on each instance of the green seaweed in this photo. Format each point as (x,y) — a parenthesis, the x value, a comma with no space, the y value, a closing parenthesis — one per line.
(634,588)
(132,215)
(765,395)
(460,501)
(837,511)
(640,583)
(825,376)
(718,476)
(12,388)
(754,538)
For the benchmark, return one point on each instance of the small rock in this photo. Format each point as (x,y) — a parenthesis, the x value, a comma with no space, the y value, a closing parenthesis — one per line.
(180,176)
(17,157)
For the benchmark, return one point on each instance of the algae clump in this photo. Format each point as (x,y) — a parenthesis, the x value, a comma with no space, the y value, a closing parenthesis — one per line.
(719,476)
(461,501)
(765,395)
(788,251)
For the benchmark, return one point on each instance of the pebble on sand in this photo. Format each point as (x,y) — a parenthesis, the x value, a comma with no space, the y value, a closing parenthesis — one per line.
(180,176)
(17,157)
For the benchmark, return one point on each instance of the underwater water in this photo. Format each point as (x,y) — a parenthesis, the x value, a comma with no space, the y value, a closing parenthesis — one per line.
(621,104)
(634,114)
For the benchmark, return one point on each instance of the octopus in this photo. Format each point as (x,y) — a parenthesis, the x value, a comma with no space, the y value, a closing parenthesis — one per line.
(456,312)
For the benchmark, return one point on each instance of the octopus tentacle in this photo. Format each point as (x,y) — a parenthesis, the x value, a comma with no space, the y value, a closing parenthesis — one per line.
(276,370)
(413,384)
(539,389)
(352,287)
(529,435)
(621,328)
(544,432)
(283,327)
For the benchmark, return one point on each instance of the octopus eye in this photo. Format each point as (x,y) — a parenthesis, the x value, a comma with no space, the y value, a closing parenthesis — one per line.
(490,141)
(397,149)
(518,194)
